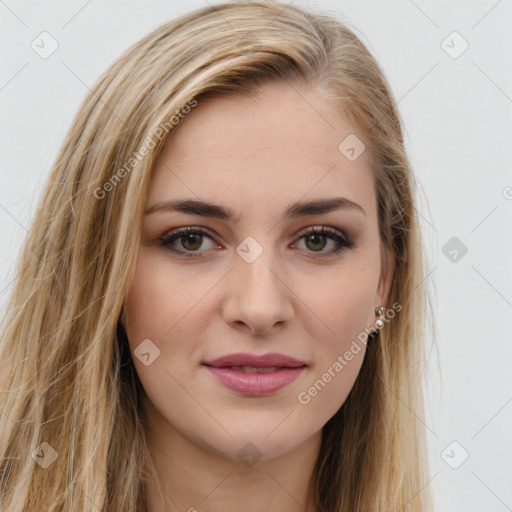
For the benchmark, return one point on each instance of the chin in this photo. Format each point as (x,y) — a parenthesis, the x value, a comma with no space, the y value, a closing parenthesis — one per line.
(263,440)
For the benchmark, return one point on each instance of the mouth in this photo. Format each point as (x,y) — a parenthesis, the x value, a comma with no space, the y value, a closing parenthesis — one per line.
(252,369)
(255,375)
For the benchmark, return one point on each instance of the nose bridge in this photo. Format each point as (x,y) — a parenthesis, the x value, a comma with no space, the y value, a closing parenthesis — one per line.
(255,264)
(255,295)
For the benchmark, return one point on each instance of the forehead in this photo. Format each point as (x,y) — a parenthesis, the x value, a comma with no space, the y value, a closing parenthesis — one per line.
(263,151)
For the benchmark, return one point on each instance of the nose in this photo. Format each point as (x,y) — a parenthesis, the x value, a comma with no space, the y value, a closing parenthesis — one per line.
(257,297)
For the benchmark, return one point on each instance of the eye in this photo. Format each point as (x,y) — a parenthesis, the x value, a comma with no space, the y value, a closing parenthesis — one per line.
(190,240)
(317,238)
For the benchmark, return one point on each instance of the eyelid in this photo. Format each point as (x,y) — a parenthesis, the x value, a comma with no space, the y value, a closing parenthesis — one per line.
(339,236)
(324,230)
(175,234)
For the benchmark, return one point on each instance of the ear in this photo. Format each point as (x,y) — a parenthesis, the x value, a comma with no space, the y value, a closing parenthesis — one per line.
(386,278)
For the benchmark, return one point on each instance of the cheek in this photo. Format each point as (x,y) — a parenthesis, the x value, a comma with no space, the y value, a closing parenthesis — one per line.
(159,320)
(162,316)
(159,302)
(343,307)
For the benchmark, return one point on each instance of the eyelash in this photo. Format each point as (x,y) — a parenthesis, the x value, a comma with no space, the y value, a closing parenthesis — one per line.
(344,241)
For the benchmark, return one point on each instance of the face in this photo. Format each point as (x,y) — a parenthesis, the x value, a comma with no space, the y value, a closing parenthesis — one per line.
(241,328)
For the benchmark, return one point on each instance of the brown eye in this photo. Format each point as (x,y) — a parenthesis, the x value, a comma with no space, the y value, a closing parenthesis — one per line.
(318,242)
(316,239)
(190,241)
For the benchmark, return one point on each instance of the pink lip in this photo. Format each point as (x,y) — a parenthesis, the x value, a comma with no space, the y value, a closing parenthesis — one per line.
(256,384)
(259,361)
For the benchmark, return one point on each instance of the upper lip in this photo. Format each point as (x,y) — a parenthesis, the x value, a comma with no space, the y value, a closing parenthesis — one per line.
(256,361)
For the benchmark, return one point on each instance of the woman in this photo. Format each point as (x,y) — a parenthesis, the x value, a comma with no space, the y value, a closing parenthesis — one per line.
(176,338)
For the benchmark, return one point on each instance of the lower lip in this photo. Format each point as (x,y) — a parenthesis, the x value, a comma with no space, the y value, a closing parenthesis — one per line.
(256,384)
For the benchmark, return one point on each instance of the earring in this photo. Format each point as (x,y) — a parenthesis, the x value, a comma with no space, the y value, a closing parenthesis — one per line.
(379,324)
(380,311)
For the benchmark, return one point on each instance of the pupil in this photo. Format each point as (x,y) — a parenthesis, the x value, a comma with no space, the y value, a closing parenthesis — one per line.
(191,238)
(313,237)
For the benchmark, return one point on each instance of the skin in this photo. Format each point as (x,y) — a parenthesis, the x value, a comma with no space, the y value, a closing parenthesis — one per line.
(255,155)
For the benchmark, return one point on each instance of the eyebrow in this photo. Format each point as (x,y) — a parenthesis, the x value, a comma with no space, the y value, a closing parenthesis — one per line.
(295,210)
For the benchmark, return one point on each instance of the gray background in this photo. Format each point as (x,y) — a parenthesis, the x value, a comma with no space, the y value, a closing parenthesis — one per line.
(457,114)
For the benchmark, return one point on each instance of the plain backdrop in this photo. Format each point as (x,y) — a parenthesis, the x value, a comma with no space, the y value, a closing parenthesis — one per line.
(449,65)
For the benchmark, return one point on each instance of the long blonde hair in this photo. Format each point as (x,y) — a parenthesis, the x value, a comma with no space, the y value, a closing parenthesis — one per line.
(67,378)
